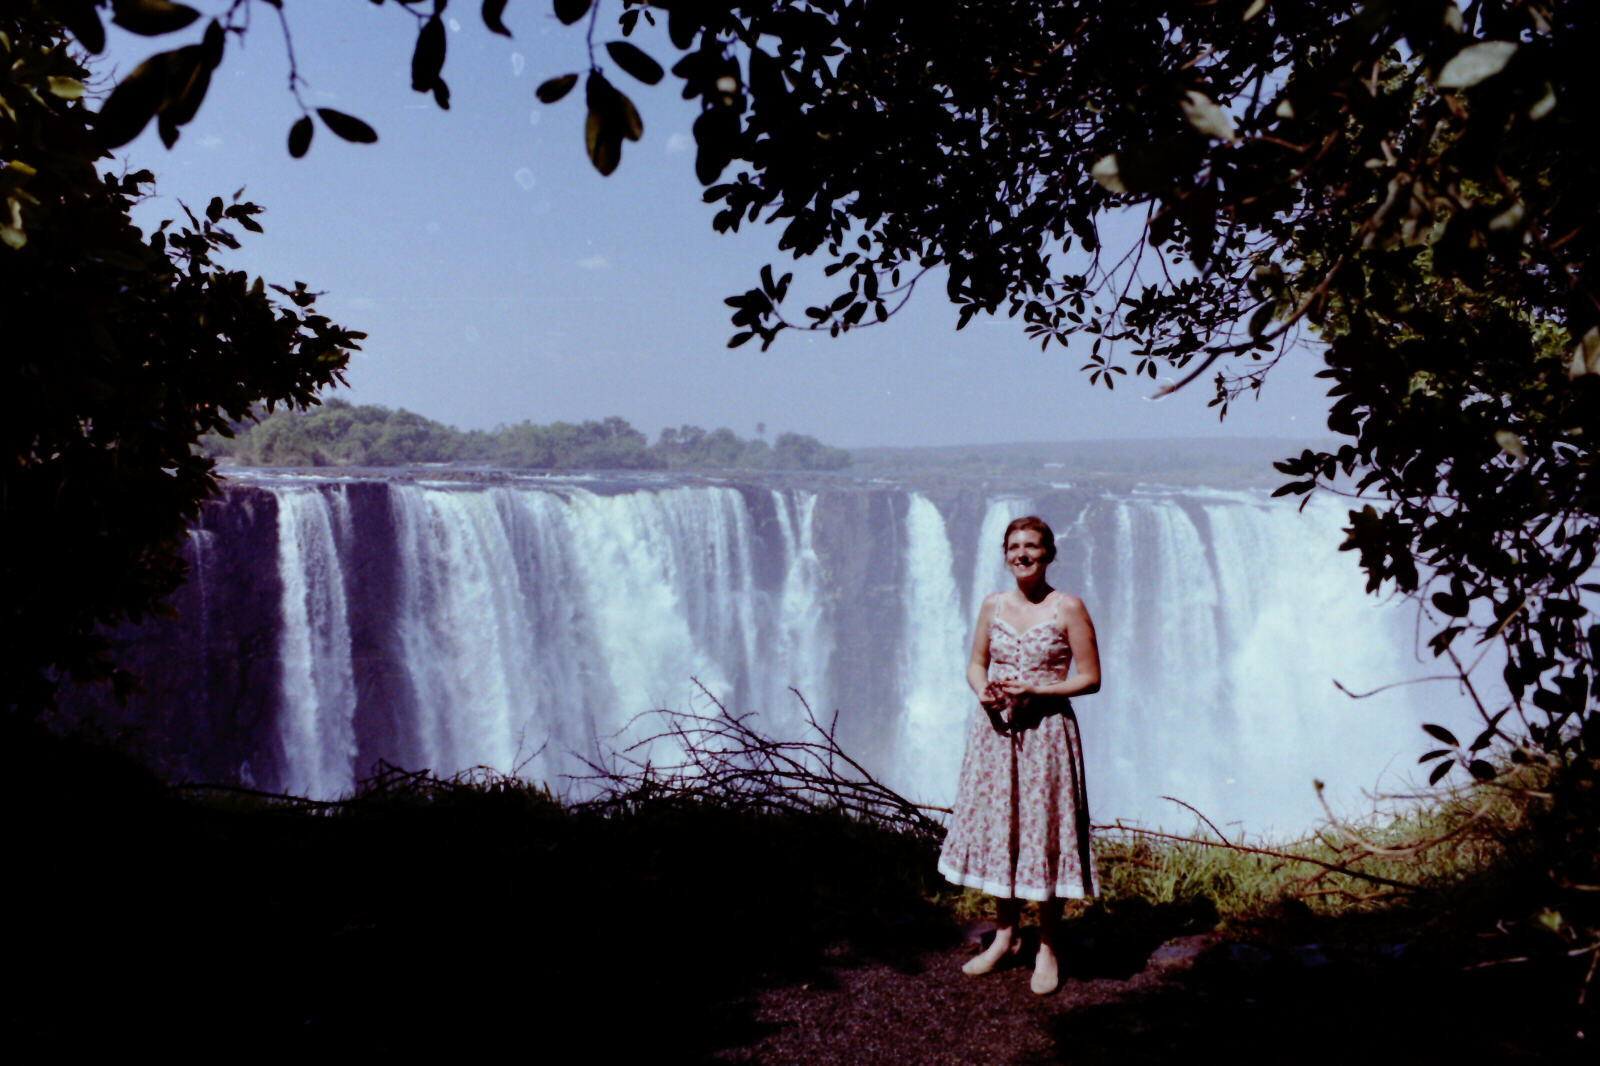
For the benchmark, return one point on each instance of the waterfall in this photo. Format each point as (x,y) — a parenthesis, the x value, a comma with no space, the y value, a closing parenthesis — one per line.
(464,627)
(935,700)
(316,722)
(529,624)
(538,625)
(665,577)
(989,573)
(802,647)
(201,542)
(1300,621)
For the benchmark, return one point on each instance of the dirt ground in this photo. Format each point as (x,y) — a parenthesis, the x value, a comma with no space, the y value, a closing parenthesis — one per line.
(1194,996)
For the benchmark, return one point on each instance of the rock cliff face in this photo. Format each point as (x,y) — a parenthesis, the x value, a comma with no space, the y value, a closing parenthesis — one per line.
(522,623)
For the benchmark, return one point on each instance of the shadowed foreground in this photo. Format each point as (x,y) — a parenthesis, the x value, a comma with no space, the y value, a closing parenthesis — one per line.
(465,918)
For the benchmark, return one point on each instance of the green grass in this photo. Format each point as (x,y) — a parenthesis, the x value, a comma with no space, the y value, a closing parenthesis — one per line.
(1443,847)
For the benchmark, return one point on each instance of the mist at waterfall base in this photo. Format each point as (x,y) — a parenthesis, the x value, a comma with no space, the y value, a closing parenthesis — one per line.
(488,619)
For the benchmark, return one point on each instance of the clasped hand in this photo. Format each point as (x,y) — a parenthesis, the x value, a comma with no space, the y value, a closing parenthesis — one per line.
(1012,705)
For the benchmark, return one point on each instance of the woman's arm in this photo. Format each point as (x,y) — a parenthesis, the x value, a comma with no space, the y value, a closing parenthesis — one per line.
(1079,627)
(978,664)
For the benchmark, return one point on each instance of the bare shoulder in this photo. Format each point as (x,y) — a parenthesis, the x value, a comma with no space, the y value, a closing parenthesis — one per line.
(990,603)
(1070,606)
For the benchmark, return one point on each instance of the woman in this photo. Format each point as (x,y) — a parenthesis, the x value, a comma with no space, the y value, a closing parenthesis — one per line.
(1021,824)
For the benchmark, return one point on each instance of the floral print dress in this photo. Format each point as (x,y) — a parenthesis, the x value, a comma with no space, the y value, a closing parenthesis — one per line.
(1021,823)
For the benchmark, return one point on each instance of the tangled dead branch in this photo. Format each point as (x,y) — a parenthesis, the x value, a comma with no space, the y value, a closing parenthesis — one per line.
(724,759)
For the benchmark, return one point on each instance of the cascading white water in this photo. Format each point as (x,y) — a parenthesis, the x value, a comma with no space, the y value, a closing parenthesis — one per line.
(1162,702)
(803,645)
(468,642)
(664,577)
(201,542)
(316,720)
(538,625)
(530,625)
(1299,620)
(934,695)
(989,573)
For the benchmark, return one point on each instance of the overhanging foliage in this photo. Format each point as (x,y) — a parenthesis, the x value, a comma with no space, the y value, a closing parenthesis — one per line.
(122,349)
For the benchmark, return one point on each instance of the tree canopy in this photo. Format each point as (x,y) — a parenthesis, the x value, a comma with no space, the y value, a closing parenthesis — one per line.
(340,434)
(122,349)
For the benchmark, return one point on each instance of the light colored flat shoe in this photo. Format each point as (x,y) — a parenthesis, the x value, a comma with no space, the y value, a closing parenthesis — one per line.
(1047,980)
(987,961)
(979,965)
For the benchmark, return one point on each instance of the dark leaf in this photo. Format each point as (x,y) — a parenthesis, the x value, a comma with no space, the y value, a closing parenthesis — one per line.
(1262,319)
(300,136)
(603,142)
(151,18)
(1442,639)
(635,62)
(493,15)
(191,73)
(168,131)
(612,117)
(347,126)
(1436,753)
(632,124)
(211,45)
(1439,772)
(683,24)
(1550,702)
(1439,732)
(133,103)
(715,132)
(83,20)
(766,78)
(738,339)
(214,209)
(570,11)
(428,58)
(1481,770)
(555,88)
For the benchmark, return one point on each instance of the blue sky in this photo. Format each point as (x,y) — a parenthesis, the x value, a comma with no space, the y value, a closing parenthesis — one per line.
(500,278)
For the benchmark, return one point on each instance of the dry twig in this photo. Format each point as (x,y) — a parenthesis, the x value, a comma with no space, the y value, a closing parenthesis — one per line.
(722,757)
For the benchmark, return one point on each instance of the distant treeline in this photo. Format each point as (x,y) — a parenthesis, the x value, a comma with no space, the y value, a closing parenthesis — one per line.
(339,434)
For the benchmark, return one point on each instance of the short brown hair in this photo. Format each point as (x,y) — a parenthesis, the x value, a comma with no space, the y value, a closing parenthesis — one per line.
(1039,526)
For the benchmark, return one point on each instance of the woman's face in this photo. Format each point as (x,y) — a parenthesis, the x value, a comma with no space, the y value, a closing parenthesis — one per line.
(1025,554)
